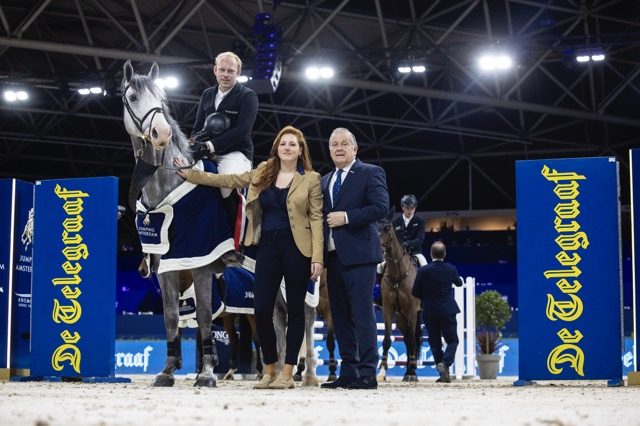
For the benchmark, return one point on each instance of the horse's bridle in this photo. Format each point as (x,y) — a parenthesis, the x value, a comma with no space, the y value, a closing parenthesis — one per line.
(137,121)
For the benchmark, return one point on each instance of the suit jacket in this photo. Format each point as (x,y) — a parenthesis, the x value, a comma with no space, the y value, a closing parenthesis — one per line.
(411,235)
(433,286)
(364,197)
(304,203)
(241,106)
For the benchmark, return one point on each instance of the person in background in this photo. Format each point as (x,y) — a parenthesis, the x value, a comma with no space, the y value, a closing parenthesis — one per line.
(355,198)
(433,285)
(410,228)
(284,211)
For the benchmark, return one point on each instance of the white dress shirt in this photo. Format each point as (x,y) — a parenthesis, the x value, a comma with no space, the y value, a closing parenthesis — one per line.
(345,172)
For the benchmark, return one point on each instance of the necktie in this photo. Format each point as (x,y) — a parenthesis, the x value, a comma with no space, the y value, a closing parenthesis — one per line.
(336,186)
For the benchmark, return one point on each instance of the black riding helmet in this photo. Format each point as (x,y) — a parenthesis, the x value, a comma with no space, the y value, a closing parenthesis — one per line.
(409,201)
(216,123)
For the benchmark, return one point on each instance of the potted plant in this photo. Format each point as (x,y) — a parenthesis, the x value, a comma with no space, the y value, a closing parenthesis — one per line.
(492,314)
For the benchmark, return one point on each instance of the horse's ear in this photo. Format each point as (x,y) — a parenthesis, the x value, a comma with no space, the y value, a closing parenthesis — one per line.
(128,71)
(154,72)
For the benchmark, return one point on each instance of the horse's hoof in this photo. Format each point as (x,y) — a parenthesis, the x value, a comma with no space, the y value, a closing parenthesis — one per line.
(332,378)
(382,378)
(205,382)
(310,381)
(297,377)
(163,381)
(411,378)
(259,376)
(229,375)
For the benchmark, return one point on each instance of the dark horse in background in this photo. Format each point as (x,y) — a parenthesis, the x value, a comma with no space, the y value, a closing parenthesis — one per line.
(157,139)
(397,301)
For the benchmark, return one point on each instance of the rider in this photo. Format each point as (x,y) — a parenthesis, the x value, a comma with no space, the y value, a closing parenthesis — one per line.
(410,228)
(222,128)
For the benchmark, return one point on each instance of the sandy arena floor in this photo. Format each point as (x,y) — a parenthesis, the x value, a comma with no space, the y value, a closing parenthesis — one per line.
(393,403)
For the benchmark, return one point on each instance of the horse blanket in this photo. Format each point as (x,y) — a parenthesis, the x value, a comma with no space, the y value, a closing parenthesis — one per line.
(188,228)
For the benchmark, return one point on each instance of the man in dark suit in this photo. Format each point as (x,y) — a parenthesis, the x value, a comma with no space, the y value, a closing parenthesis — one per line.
(222,129)
(410,228)
(355,198)
(433,285)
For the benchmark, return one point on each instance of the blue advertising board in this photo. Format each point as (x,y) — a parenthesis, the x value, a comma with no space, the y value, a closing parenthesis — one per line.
(569,269)
(16,229)
(634,163)
(74,273)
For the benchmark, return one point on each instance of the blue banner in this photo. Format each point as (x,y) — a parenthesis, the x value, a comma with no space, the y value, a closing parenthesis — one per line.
(74,273)
(634,162)
(16,227)
(148,356)
(569,269)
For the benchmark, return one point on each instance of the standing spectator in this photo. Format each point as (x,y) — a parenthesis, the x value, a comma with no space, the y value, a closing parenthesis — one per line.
(355,198)
(284,211)
(433,285)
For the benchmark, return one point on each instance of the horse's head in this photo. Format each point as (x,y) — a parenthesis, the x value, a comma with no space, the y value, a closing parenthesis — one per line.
(387,234)
(144,107)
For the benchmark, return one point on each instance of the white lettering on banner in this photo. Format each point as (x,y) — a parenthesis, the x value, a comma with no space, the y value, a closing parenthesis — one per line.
(2,266)
(248,295)
(23,300)
(139,359)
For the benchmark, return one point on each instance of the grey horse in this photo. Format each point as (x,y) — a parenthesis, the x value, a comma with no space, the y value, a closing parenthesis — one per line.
(155,135)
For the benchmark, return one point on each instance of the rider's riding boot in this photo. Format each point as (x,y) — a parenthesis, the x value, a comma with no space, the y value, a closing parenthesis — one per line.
(230,205)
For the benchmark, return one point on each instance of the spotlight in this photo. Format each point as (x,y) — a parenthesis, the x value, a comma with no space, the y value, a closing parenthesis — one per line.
(95,90)
(84,91)
(167,83)
(404,69)
(326,72)
(243,79)
(13,95)
(418,68)
(595,54)
(314,72)
(495,62)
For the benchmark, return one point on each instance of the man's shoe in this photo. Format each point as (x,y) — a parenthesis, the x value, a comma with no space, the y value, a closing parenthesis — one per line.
(339,383)
(444,372)
(364,383)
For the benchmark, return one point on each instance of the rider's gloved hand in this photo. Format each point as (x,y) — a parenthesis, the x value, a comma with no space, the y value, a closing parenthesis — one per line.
(201,149)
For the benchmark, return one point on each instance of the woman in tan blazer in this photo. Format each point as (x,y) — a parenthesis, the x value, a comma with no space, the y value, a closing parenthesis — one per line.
(284,211)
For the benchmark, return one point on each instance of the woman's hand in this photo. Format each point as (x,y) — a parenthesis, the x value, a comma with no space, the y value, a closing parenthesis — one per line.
(316,270)
(179,162)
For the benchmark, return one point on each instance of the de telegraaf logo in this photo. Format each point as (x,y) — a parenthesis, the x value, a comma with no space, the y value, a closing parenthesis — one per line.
(27,233)
(138,359)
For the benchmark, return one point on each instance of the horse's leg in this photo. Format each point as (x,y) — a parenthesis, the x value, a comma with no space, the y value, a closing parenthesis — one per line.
(310,378)
(407,328)
(170,295)
(331,347)
(280,325)
(229,323)
(251,319)
(387,311)
(202,278)
(418,341)
(297,376)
